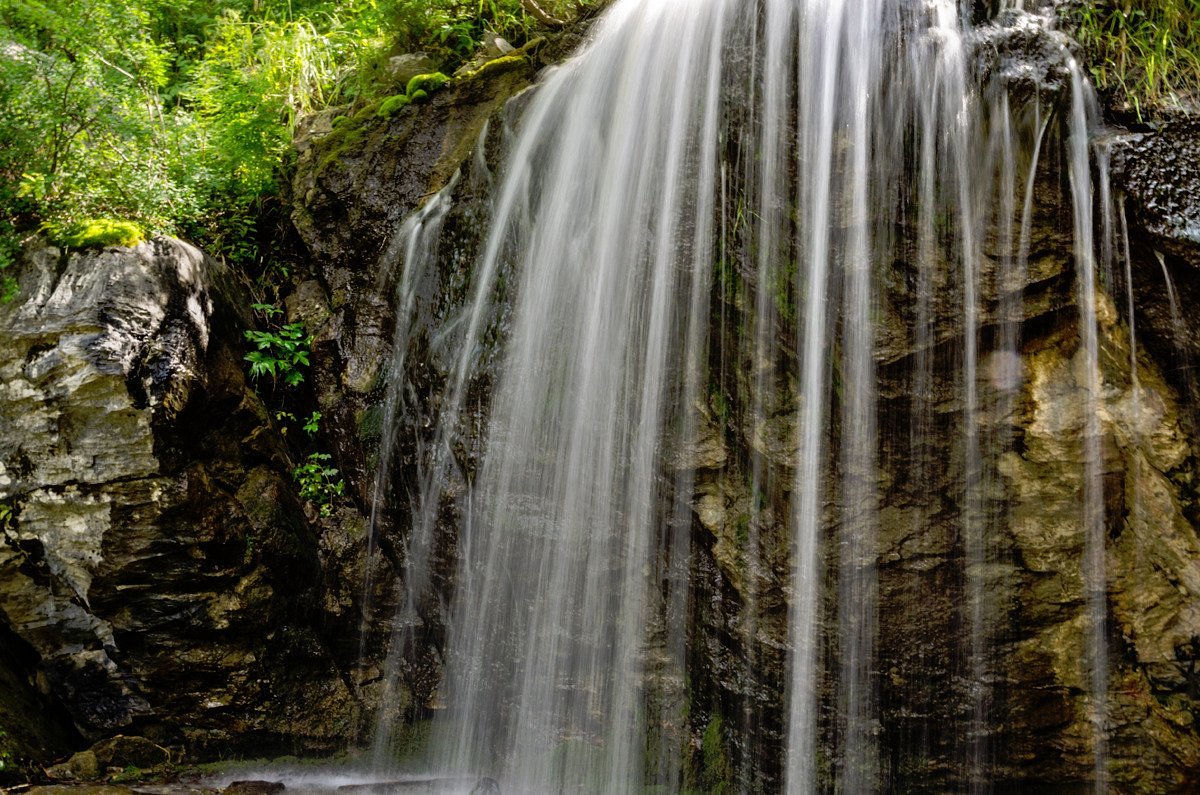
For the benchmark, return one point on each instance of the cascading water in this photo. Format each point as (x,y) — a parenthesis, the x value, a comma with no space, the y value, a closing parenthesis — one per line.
(641,211)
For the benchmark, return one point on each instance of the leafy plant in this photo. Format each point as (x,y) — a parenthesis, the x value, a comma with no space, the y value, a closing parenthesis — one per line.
(313,424)
(280,351)
(320,483)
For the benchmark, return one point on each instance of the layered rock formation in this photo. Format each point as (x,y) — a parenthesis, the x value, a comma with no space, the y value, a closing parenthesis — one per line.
(157,572)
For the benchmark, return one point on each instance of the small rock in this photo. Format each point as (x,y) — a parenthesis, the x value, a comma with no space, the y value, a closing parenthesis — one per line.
(403,68)
(83,766)
(124,752)
(253,788)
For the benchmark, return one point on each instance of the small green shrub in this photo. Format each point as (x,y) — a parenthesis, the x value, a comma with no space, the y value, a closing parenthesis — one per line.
(320,483)
(313,423)
(98,232)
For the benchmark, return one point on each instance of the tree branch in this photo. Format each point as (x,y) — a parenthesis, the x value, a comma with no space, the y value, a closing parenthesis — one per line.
(534,10)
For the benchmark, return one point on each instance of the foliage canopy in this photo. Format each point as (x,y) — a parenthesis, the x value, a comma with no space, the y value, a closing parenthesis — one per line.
(177,115)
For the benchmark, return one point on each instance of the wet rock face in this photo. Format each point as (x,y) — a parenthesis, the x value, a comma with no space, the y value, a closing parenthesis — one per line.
(156,563)
(353,187)
(1160,175)
(1037,704)
(1039,732)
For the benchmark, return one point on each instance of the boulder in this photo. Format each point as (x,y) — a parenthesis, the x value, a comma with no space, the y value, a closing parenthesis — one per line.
(155,561)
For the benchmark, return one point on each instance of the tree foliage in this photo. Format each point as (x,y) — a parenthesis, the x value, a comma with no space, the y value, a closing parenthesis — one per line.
(177,114)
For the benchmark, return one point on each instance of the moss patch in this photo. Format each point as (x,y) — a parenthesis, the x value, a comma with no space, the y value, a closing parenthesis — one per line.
(427,83)
(392,105)
(716,770)
(98,232)
(498,65)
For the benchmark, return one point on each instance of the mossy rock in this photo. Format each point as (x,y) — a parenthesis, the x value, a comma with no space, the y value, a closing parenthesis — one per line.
(99,232)
(425,84)
(497,65)
(392,105)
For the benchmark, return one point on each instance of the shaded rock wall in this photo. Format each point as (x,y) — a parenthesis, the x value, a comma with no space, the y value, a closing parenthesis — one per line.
(157,565)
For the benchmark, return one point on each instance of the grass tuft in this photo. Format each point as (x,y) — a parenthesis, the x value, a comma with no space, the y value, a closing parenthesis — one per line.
(1146,53)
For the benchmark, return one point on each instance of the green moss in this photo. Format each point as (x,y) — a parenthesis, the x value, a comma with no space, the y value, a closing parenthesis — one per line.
(348,136)
(370,423)
(716,771)
(392,105)
(419,95)
(426,83)
(498,64)
(130,774)
(339,120)
(99,232)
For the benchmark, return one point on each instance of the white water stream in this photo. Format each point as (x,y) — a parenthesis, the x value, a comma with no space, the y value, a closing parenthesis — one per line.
(567,648)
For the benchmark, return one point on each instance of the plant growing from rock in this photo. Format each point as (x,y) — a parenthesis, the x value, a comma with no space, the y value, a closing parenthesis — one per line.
(280,351)
(1146,51)
(320,483)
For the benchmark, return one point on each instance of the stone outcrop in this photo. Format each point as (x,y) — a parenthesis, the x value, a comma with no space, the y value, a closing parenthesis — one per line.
(1039,734)
(157,573)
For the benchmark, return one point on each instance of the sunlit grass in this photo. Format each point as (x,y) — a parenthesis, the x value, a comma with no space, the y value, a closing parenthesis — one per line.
(1147,52)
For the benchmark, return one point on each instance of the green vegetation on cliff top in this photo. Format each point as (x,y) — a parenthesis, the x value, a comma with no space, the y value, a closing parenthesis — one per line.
(178,116)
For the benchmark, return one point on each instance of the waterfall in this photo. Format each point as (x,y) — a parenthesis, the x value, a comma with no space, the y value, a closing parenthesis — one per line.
(608,204)
(702,165)
(1095,582)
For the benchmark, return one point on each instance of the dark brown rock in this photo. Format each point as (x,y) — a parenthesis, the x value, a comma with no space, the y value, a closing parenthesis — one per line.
(254,788)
